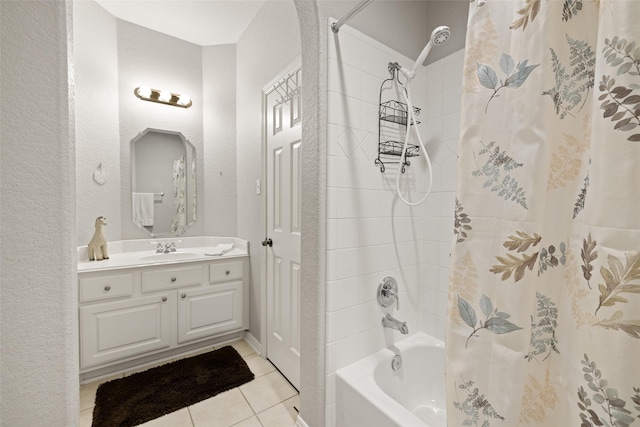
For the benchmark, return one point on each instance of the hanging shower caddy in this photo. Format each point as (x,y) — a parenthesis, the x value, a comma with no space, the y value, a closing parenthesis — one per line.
(393,111)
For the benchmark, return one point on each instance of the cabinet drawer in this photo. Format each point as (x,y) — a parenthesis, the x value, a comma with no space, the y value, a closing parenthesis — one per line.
(169,278)
(225,271)
(104,287)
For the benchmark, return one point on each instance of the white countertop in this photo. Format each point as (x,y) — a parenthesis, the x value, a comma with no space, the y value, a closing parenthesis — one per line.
(142,252)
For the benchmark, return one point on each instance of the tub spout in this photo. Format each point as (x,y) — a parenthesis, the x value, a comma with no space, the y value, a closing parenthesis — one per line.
(389,322)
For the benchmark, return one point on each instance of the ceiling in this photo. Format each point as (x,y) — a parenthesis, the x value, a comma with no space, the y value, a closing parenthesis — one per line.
(202,22)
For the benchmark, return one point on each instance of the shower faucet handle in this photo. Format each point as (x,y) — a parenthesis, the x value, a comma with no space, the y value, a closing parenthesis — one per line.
(388,293)
(391,293)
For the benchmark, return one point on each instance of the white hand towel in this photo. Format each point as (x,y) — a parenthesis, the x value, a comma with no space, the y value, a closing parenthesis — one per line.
(220,249)
(143,211)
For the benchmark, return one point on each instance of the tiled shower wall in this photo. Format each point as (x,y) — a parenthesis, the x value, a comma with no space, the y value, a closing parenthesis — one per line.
(370,233)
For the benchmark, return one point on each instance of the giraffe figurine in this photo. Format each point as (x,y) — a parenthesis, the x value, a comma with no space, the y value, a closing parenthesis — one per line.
(98,245)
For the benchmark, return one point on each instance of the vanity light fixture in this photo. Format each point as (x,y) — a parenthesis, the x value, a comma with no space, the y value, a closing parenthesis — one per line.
(163,97)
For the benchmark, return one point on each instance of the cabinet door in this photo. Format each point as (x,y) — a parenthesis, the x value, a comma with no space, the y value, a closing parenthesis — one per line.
(209,311)
(116,330)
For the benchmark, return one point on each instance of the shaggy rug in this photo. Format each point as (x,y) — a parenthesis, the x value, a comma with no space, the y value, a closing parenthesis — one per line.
(158,391)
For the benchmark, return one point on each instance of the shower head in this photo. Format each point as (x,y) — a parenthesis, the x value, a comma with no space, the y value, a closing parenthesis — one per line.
(439,36)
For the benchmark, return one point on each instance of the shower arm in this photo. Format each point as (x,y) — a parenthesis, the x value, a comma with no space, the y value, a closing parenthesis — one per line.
(335,27)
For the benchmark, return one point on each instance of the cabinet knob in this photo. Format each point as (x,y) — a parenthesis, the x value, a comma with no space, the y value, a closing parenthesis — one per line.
(183,295)
(227,272)
(164,299)
(107,288)
(173,279)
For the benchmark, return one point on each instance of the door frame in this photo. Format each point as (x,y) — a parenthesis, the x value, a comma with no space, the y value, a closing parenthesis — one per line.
(294,65)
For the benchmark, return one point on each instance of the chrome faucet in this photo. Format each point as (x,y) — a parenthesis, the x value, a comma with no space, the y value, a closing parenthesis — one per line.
(389,322)
(166,247)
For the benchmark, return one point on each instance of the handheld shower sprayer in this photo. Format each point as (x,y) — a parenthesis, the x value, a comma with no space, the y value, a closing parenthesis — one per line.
(439,36)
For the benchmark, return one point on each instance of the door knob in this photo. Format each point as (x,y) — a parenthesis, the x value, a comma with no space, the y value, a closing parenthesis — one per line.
(267,242)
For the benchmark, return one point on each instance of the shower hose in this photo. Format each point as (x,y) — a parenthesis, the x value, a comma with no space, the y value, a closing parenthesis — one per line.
(411,118)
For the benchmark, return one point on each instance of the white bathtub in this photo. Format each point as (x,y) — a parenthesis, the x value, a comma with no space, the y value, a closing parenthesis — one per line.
(369,393)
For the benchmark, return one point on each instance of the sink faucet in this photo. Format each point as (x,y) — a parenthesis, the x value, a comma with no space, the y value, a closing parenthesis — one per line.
(166,247)
(389,322)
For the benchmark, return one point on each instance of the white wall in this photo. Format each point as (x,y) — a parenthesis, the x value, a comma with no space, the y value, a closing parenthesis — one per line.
(160,62)
(442,129)
(97,126)
(400,24)
(370,232)
(113,58)
(38,366)
(453,14)
(219,127)
(269,44)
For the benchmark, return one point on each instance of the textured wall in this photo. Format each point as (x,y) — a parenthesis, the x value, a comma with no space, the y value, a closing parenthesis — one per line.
(97,127)
(161,62)
(39,365)
(219,125)
(314,171)
(113,57)
(269,44)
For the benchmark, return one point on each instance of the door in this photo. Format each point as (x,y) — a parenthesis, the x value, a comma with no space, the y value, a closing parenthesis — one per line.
(283,162)
(209,311)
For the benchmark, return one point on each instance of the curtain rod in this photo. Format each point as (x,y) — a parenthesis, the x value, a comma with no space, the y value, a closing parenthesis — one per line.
(335,27)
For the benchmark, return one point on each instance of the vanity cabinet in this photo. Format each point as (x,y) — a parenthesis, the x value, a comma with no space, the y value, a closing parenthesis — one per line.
(129,313)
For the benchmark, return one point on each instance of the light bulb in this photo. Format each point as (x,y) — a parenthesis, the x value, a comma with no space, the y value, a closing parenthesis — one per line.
(144,91)
(165,96)
(184,99)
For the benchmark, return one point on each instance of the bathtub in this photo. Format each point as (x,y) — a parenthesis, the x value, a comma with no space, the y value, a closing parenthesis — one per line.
(369,393)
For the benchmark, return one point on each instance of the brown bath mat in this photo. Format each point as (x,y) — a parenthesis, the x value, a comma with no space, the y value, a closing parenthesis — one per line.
(158,391)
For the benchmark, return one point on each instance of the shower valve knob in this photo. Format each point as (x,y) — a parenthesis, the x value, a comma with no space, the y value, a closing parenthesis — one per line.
(388,293)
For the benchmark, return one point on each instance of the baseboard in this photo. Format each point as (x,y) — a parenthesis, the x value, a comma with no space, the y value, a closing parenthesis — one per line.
(253,342)
(300,422)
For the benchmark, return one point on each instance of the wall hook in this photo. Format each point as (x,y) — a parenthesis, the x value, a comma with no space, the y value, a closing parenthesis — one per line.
(99,176)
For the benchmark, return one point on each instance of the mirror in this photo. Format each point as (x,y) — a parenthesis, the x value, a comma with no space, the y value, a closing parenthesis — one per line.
(163,182)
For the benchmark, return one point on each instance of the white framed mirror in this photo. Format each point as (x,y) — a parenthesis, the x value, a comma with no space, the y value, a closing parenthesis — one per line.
(163,182)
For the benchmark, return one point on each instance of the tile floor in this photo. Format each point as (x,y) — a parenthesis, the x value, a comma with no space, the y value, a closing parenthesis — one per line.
(267,401)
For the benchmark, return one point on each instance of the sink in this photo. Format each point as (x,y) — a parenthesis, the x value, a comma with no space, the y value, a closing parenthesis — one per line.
(169,256)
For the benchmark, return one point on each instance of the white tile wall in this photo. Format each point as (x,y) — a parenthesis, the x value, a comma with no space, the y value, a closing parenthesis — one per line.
(444,84)
(370,233)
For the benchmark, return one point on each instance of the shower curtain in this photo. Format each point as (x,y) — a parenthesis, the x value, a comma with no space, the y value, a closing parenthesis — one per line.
(544,292)
(179,196)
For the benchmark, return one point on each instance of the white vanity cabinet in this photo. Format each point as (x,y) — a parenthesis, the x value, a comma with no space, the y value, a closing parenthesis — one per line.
(161,309)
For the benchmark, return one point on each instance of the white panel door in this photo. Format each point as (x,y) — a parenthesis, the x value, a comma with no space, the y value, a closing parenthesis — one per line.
(209,311)
(283,152)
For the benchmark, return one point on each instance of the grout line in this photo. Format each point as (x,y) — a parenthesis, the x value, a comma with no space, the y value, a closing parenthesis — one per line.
(193,423)
(246,400)
(255,414)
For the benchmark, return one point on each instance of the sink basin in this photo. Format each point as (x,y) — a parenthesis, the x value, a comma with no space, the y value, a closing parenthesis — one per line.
(169,256)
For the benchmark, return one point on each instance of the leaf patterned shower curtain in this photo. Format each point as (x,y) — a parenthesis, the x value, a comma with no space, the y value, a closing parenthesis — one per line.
(544,313)
(179,221)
